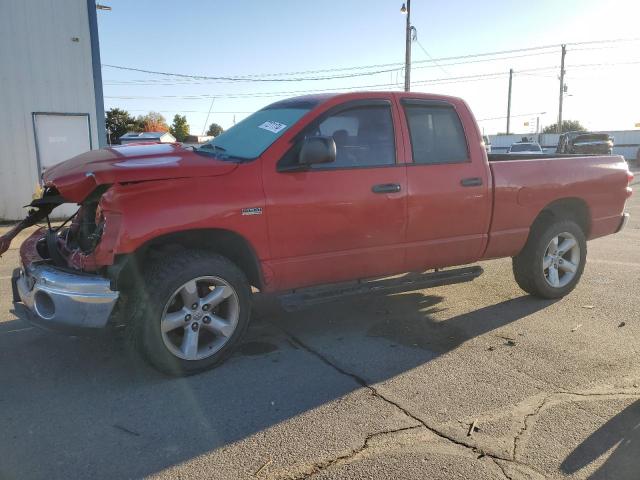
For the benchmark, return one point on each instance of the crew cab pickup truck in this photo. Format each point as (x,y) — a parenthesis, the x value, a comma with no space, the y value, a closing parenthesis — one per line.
(311,191)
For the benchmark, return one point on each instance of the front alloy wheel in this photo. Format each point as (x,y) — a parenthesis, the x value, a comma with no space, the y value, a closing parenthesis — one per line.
(199,318)
(189,310)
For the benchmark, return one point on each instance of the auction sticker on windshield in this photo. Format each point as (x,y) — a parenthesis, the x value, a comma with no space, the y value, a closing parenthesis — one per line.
(273,127)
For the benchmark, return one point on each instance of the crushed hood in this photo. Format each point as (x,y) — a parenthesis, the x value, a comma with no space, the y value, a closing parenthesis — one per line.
(79,176)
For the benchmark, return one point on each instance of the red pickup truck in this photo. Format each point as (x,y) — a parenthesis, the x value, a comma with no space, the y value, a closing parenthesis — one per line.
(310,191)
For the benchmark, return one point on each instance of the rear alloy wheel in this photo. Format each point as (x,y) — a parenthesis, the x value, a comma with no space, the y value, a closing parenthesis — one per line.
(561,260)
(551,263)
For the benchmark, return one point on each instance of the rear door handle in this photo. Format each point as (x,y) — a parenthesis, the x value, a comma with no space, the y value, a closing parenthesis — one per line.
(386,188)
(471,182)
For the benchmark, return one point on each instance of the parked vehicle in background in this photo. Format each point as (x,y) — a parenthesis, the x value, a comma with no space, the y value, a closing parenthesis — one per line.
(487,143)
(170,241)
(525,148)
(584,143)
(592,144)
(564,139)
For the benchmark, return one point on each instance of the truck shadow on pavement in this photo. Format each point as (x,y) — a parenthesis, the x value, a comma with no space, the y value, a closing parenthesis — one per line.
(622,433)
(90,408)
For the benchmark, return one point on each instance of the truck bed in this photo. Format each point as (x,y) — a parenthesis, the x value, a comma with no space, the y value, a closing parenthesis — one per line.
(523,185)
(500,157)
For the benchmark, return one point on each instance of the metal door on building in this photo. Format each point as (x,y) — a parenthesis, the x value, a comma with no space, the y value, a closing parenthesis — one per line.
(59,137)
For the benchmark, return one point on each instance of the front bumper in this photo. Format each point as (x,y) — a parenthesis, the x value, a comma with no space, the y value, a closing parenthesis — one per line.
(63,300)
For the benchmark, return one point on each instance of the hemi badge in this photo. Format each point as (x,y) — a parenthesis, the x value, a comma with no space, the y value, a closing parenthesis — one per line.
(252,211)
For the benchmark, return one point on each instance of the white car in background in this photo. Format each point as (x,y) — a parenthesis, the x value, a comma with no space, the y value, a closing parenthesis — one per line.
(526,148)
(487,143)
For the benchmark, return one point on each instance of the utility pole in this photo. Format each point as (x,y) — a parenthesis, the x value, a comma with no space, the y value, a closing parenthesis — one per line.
(204,129)
(407,52)
(564,52)
(509,102)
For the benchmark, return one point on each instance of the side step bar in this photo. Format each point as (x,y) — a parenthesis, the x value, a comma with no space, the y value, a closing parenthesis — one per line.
(307,297)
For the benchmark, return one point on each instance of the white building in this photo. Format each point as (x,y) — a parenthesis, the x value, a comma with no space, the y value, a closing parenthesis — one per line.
(51,105)
(136,137)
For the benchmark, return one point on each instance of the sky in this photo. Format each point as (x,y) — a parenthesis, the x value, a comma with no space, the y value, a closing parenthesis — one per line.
(258,37)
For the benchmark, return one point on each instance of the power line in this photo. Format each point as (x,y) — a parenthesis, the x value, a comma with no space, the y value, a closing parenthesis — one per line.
(250,79)
(607,64)
(188,81)
(512,116)
(155,82)
(434,81)
(262,77)
(257,77)
(163,82)
(437,81)
(424,50)
(267,77)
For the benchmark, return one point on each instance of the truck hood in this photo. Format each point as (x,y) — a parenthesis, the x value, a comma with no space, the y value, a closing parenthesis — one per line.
(77,177)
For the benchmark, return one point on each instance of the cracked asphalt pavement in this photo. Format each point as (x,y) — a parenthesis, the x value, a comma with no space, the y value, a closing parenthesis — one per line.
(375,387)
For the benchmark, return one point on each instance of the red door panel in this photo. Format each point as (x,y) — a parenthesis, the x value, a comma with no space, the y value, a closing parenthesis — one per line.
(449,191)
(328,226)
(334,222)
(447,222)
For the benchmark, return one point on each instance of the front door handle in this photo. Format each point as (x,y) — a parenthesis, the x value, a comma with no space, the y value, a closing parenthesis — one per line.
(471,182)
(386,188)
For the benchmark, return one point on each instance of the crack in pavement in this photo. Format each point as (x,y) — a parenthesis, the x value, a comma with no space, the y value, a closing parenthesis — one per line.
(502,469)
(360,381)
(525,425)
(320,466)
(556,397)
(564,396)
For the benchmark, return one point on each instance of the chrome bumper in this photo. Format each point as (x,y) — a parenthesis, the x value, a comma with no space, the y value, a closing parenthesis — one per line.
(62,300)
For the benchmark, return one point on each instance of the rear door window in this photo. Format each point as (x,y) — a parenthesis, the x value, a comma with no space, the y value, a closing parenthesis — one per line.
(436,134)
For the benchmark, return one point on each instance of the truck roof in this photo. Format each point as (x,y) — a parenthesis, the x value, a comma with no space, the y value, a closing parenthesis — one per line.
(315,99)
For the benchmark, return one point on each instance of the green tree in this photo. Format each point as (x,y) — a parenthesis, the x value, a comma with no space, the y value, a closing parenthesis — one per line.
(215,130)
(179,127)
(567,126)
(119,122)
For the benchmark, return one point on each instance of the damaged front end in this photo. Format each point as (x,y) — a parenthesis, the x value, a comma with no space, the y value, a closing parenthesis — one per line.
(60,281)
(80,245)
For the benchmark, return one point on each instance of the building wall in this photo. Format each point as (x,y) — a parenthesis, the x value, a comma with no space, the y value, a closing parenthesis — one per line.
(42,70)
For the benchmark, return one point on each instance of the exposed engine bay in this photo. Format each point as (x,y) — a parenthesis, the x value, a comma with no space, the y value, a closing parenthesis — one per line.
(68,244)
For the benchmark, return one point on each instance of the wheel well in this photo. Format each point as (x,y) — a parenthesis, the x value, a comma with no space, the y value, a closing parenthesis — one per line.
(224,242)
(568,208)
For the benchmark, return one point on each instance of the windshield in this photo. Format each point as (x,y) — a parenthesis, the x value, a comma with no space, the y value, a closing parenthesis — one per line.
(253,135)
(525,147)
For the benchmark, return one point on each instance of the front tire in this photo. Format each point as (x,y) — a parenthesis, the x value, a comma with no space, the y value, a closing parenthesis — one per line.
(553,259)
(189,312)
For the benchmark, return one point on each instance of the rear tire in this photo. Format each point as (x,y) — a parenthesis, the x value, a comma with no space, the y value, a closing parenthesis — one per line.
(552,261)
(189,311)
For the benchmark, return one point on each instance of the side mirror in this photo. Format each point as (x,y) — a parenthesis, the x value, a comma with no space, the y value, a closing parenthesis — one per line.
(318,149)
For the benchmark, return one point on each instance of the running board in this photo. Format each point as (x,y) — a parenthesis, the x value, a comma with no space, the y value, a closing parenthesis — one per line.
(307,297)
